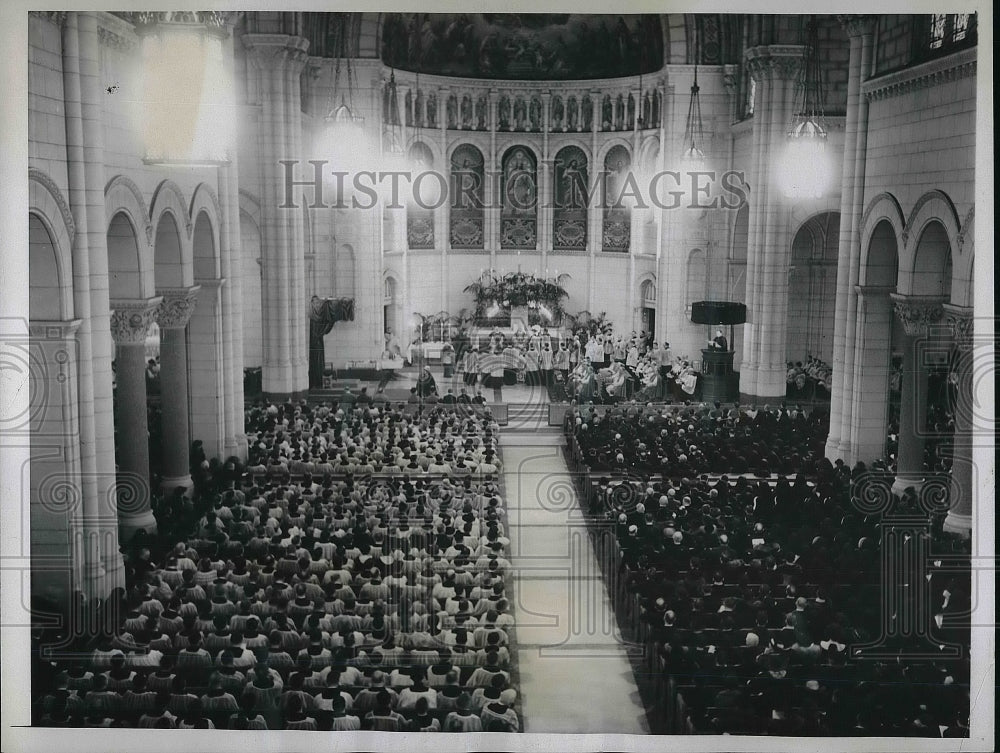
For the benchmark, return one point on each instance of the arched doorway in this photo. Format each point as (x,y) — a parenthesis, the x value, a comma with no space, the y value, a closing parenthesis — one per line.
(812,289)
(208,393)
(647,302)
(877,358)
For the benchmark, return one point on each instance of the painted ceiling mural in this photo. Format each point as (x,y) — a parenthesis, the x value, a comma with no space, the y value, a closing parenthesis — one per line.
(523,46)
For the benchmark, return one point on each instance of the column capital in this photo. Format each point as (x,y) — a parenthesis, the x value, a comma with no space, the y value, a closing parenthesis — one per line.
(917,312)
(776,61)
(273,52)
(959,319)
(857,24)
(130,319)
(177,306)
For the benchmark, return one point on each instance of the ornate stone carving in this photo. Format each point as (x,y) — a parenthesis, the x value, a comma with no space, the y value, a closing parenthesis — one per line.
(130,319)
(779,61)
(856,24)
(272,52)
(933,73)
(917,313)
(959,319)
(110,38)
(50,186)
(58,17)
(215,21)
(177,307)
(963,232)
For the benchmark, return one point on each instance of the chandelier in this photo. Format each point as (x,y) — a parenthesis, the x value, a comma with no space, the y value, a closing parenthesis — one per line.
(693,158)
(344,141)
(804,170)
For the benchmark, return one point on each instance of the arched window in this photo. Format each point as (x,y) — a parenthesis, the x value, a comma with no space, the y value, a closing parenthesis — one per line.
(519,191)
(570,199)
(419,216)
(647,293)
(467,190)
(617,214)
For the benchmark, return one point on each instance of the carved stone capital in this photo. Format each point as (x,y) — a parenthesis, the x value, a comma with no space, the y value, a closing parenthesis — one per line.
(131,319)
(110,38)
(918,312)
(959,319)
(857,24)
(58,17)
(177,307)
(776,61)
(276,52)
(216,22)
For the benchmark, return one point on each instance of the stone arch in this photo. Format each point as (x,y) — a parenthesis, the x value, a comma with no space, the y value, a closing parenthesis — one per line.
(812,286)
(250,205)
(962,279)
(611,143)
(646,285)
(47,204)
(121,194)
(204,202)
(932,206)
(884,207)
(130,269)
(880,257)
(169,197)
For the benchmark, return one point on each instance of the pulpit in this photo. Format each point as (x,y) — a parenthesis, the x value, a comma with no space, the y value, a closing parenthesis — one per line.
(717,375)
(719,383)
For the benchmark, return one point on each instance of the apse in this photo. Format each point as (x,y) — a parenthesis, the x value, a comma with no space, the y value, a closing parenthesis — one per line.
(523,46)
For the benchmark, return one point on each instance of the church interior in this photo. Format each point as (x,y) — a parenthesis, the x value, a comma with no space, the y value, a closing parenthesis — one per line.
(487,372)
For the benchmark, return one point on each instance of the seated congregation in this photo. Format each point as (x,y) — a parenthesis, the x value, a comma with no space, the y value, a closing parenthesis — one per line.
(347,579)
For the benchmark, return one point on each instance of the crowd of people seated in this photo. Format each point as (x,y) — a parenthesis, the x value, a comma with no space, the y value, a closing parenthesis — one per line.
(353,576)
(694,439)
(762,605)
(811,380)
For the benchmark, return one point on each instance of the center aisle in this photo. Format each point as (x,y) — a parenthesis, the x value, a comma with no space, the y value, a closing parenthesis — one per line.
(575,674)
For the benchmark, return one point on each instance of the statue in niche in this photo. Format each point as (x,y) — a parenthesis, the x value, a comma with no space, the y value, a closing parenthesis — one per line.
(607,115)
(571,115)
(418,109)
(587,112)
(481,113)
(619,113)
(451,108)
(535,114)
(432,110)
(630,113)
(408,107)
(519,183)
(571,184)
(520,115)
(656,109)
(503,114)
(557,114)
(466,112)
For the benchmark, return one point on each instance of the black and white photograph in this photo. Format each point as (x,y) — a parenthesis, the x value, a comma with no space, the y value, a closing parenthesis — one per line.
(576,380)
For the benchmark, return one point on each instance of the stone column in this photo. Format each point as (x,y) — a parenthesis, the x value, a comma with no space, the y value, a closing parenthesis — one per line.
(173,315)
(860,29)
(494,195)
(962,486)
(206,346)
(916,313)
(129,326)
(275,58)
(775,68)
(56,492)
(98,538)
(871,375)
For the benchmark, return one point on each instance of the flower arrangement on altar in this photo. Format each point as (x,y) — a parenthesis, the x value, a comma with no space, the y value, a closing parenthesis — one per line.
(496,294)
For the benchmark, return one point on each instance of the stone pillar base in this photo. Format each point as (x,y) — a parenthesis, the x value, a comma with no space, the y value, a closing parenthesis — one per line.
(129,525)
(959,523)
(902,483)
(168,484)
